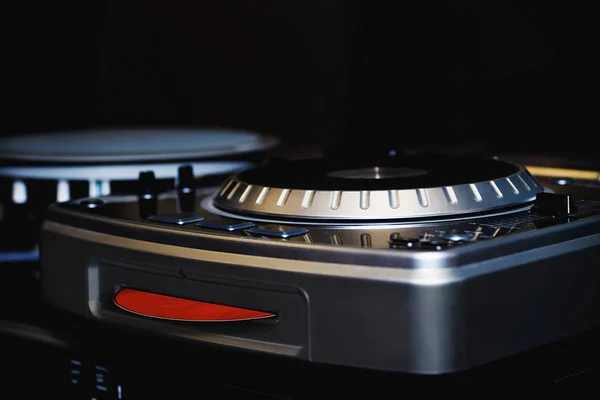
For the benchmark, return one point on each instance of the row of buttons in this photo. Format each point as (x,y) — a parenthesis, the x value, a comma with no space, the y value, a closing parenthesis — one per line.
(278,231)
(436,240)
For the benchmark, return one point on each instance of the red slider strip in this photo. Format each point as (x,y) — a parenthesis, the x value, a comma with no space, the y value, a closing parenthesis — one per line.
(178,309)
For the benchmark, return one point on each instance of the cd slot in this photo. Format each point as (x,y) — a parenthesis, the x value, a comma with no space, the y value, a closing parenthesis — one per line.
(243,315)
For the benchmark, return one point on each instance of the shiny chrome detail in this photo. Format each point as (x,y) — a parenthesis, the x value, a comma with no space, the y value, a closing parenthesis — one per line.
(262,196)
(512,185)
(476,194)
(394,199)
(245,194)
(365,240)
(423,198)
(309,195)
(226,187)
(336,239)
(336,199)
(235,188)
(496,189)
(365,199)
(450,195)
(283,198)
(524,183)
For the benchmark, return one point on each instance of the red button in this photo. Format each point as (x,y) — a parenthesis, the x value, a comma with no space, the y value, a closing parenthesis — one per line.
(175,308)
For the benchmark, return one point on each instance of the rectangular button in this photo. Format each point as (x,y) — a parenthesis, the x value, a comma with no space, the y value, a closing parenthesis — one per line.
(176,219)
(225,225)
(279,231)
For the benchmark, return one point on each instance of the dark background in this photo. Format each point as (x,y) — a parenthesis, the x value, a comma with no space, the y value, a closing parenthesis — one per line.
(495,73)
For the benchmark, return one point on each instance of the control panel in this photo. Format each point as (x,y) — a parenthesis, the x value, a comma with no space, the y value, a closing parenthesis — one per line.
(191,209)
(165,211)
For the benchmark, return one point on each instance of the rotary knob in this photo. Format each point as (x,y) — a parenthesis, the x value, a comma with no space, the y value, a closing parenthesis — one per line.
(147,184)
(147,194)
(186,188)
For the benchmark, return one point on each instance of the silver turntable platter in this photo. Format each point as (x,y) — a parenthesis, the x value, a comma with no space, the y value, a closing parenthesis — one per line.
(394,189)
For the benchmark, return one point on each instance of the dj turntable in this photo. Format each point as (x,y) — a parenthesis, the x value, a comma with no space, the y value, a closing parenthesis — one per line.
(178,263)
(399,263)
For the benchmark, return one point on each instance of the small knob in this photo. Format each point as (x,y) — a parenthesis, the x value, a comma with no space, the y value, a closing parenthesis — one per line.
(554,204)
(186,188)
(146,184)
(185,178)
(147,191)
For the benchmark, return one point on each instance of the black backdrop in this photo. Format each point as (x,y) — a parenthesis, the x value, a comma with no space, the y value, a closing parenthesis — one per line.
(501,73)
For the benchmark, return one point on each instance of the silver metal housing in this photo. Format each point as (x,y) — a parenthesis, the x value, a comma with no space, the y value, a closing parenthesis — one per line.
(338,302)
